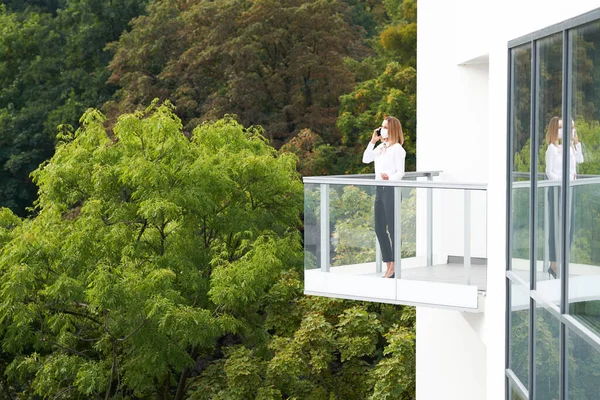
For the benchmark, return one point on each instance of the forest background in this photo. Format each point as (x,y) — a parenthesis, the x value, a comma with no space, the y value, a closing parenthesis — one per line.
(150,163)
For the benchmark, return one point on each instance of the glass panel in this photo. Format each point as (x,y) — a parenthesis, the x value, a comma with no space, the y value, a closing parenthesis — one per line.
(583,367)
(584,255)
(547,355)
(519,333)
(448,224)
(312,225)
(353,245)
(549,168)
(521,145)
(515,394)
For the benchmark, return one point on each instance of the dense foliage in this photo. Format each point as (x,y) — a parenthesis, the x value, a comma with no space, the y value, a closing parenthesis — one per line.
(52,67)
(162,266)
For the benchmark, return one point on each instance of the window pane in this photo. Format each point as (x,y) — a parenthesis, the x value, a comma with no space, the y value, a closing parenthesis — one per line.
(515,394)
(549,168)
(519,333)
(584,255)
(520,129)
(547,355)
(583,367)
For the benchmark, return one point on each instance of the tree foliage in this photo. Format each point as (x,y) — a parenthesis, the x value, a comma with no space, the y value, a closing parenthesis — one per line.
(52,67)
(278,64)
(165,266)
(387,86)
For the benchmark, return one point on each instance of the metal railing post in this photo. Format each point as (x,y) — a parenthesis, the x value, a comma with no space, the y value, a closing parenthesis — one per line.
(467,232)
(378,259)
(325,235)
(429,223)
(546,231)
(397,231)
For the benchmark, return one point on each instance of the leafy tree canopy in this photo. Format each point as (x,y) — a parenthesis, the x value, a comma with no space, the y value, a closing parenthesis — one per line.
(52,67)
(278,64)
(165,266)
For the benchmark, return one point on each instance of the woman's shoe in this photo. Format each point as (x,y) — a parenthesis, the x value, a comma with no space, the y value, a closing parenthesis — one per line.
(392,275)
(551,273)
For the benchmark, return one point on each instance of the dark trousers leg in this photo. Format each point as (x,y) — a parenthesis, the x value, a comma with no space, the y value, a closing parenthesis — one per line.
(554,208)
(384,221)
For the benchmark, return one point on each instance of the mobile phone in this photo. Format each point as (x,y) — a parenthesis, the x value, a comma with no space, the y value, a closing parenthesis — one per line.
(378,131)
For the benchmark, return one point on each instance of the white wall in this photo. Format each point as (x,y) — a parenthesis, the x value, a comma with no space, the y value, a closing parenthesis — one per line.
(461,116)
(449,337)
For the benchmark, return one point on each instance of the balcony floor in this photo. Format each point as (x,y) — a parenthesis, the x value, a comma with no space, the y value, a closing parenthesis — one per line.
(441,286)
(443,273)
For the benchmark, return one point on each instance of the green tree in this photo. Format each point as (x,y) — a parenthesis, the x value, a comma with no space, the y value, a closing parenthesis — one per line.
(150,251)
(52,67)
(387,87)
(278,64)
(169,267)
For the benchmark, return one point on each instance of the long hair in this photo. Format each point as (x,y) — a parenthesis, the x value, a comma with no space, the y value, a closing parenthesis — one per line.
(552,131)
(395,130)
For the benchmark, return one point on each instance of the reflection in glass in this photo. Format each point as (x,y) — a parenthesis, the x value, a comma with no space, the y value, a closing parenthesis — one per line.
(549,168)
(519,333)
(584,255)
(521,145)
(515,394)
(547,355)
(583,366)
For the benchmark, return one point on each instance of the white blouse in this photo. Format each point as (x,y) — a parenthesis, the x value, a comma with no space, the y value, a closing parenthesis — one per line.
(554,161)
(388,159)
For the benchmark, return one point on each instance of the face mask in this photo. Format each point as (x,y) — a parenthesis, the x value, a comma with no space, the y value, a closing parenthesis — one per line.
(573,133)
(560,133)
(384,133)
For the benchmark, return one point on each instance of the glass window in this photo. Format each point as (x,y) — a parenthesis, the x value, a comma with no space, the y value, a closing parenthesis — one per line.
(583,367)
(515,394)
(519,333)
(547,355)
(584,235)
(520,127)
(549,167)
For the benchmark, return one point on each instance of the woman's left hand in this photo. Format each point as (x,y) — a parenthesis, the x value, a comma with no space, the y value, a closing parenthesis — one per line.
(385,176)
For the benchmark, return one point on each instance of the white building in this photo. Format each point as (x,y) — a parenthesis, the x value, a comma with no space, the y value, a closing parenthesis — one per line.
(492,322)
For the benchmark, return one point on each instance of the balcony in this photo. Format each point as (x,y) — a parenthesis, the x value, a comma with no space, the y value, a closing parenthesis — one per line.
(440,262)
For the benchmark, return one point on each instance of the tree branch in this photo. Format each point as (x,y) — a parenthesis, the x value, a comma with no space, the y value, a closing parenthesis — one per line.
(181,389)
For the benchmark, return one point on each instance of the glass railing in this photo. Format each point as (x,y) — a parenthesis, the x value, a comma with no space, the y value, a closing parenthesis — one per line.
(442,246)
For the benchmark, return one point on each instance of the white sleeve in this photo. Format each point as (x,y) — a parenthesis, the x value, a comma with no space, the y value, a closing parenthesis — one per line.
(578,154)
(369,155)
(550,154)
(399,157)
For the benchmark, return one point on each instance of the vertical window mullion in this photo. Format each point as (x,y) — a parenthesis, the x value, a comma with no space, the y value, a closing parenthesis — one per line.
(532,213)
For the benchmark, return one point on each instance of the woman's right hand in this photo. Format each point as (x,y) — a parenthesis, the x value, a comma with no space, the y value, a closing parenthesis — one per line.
(375,137)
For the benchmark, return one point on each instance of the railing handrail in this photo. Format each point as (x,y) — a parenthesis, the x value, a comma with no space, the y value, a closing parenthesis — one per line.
(554,183)
(411,174)
(369,180)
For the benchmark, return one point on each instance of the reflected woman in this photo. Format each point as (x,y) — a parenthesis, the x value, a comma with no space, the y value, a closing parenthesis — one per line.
(389,157)
(554,137)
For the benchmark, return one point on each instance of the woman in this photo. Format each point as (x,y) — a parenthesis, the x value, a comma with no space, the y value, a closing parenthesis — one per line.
(554,156)
(389,159)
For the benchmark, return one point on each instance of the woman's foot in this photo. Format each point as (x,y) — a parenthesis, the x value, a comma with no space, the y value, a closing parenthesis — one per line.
(552,270)
(390,270)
